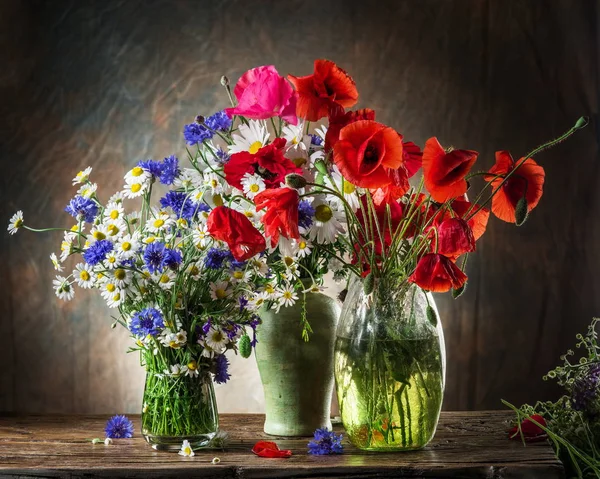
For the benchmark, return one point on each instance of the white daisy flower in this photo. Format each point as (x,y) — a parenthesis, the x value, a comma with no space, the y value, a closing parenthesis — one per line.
(149,239)
(107,287)
(192,369)
(328,222)
(112,260)
(66,246)
(349,191)
(239,275)
(57,265)
(212,182)
(84,276)
(206,352)
(82,176)
(314,288)
(121,277)
(87,190)
(133,219)
(251,137)
(15,222)
(303,247)
(293,134)
(115,229)
(166,280)
(256,301)
(63,289)
(260,266)
(161,221)
(194,270)
(127,246)
(219,290)
(252,185)
(116,197)
(188,179)
(186,449)
(173,340)
(249,211)
(97,233)
(286,296)
(114,211)
(116,298)
(269,291)
(137,175)
(133,190)
(200,236)
(175,371)
(216,339)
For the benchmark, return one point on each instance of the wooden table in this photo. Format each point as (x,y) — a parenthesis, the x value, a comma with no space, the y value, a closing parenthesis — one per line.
(467,445)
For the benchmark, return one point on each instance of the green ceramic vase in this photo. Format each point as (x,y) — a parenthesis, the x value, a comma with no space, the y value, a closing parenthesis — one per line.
(297,376)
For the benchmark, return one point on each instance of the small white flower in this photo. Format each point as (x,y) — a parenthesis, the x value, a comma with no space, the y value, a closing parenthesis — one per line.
(128,246)
(251,137)
(115,229)
(173,340)
(82,176)
(112,260)
(98,233)
(216,339)
(114,211)
(137,175)
(219,290)
(215,460)
(186,449)
(116,198)
(88,190)
(200,236)
(133,218)
(188,179)
(303,247)
(327,222)
(194,270)
(15,222)
(57,265)
(108,441)
(286,296)
(161,221)
(191,369)
(63,289)
(349,191)
(257,301)
(293,134)
(212,182)
(133,190)
(252,185)
(84,276)
(66,247)
(260,266)
(166,279)
(121,277)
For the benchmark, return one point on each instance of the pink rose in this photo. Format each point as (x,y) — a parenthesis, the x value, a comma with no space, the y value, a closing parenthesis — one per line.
(262,93)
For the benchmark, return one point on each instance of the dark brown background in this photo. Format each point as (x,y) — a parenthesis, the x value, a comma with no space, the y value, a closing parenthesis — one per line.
(107,83)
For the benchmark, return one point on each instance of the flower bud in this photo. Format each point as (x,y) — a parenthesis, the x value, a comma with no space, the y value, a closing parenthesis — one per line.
(295,181)
(245,346)
(582,122)
(108,441)
(458,292)
(369,284)
(224,80)
(321,167)
(199,119)
(521,211)
(432,316)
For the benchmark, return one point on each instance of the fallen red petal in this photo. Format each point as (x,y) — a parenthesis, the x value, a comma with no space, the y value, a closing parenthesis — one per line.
(270,450)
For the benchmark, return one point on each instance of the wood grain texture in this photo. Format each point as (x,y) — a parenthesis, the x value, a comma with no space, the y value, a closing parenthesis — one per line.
(111,82)
(467,445)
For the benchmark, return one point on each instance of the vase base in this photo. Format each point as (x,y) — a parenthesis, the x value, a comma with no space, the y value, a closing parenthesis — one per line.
(173,443)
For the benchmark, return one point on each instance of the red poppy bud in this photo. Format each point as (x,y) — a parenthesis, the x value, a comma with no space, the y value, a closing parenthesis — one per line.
(437,273)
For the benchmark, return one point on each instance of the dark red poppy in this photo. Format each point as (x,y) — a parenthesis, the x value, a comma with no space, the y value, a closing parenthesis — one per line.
(477,218)
(527,181)
(531,432)
(270,450)
(281,216)
(365,153)
(445,172)
(454,238)
(438,274)
(337,122)
(326,92)
(232,227)
(413,157)
(268,163)
(398,186)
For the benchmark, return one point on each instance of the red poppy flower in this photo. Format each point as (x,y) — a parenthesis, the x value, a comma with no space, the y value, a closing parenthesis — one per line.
(281,216)
(531,432)
(527,181)
(366,151)
(270,449)
(445,172)
(413,157)
(268,162)
(454,238)
(478,217)
(232,227)
(437,273)
(326,92)
(396,189)
(337,122)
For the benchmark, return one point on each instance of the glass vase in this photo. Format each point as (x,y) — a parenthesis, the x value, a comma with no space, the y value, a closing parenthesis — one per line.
(390,366)
(178,408)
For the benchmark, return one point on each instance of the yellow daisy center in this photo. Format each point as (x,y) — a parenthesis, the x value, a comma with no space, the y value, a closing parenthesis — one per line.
(269,289)
(254,188)
(302,245)
(288,261)
(126,246)
(137,171)
(112,260)
(238,274)
(193,365)
(150,239)
(18,223)
(349,188)
(84,275)
(114,214)
(182,222)
(254,147)
(299,161)
(220,293)
(165,278)
(287,295)
(194,270)
(136,187)
(249,214)
(159,223)
(116,297)
(218,200)
(323,213)
(187,450)
(110,287)
(99,235)
(112,230)
(120,274)
(214,183)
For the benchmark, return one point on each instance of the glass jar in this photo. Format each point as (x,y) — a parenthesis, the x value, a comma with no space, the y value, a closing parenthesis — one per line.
(178,408)
(390,366)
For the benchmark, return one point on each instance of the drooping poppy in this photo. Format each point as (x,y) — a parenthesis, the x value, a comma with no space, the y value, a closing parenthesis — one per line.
(531,432)
(337,122)
(398,186)
(454,238)
(526,182)
(477,217)
(232,227)
(365,153)
(445,172)
(326,92)
(438,274)
(268,163)
(281,217)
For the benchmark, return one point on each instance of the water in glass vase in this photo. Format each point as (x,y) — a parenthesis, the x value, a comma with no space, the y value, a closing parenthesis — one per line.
(390,391)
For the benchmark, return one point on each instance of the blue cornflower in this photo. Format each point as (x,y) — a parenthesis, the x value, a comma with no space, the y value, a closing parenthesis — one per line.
(305,214)
(149,321)
(254,322)
(243,303)
(154,167)
(218,121)
(172,258)
(97,252)
(195,133)
(119,427)
(215,257)
(206,326)
(180,203)
(221,369)
(154,257)
(222,156)
(202,207)
(82,209)
(316,140)
(325,442)
(170,170)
